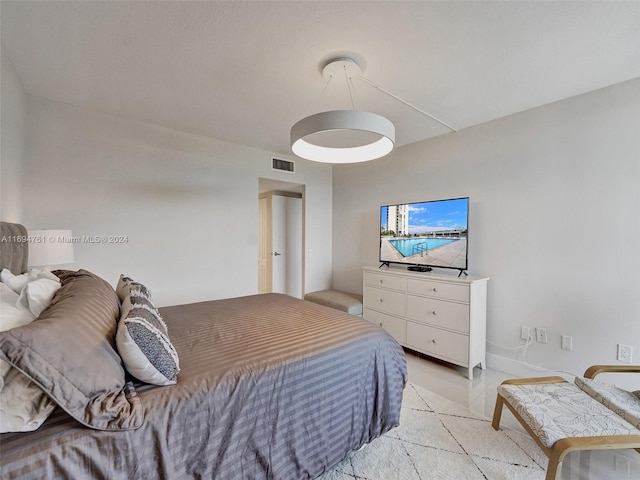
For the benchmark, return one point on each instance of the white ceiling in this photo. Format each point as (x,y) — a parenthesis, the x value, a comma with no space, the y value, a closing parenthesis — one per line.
(245,72)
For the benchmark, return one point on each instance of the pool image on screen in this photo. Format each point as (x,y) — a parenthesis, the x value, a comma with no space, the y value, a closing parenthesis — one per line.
(430,233)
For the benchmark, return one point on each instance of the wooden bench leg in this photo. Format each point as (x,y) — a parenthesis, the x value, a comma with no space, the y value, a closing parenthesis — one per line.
(552,469)
(559,450)
(497,413)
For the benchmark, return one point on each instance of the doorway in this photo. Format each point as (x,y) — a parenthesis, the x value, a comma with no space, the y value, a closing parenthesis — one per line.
(281,237)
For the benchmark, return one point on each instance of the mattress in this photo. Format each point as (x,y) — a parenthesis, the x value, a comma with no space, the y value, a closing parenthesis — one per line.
(270,387)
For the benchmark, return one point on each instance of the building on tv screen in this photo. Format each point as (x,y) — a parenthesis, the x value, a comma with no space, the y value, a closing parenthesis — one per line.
(427,233)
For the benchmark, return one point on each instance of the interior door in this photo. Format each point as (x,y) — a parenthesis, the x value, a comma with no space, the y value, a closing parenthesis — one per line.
(278,244)
(286,245)
(264,246)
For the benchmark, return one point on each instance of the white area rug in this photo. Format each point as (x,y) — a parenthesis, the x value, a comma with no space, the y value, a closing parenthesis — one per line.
(439,439)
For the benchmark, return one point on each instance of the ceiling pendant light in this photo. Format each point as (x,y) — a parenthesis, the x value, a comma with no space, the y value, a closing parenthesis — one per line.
(343,120)
(343,136)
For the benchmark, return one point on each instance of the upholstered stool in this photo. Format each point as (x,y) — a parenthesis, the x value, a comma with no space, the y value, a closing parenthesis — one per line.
(347,302)
(563,417)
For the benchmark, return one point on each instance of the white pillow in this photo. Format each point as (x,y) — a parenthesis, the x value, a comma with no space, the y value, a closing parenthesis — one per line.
(11,316)
(17,282)
(37,295)
(23,406)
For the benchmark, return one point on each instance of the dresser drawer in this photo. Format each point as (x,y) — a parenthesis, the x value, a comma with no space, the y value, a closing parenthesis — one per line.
(439,343)
(396,327)
(382,300)
(442,313)
(448,291)
(385,281)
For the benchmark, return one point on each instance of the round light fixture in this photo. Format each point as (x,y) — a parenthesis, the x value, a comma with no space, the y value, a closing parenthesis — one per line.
(318,138)
(375,125)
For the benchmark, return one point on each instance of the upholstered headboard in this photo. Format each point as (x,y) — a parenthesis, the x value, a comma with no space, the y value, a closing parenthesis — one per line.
(14,248)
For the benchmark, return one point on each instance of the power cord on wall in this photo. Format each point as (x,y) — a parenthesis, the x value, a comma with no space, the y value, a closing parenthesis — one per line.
(524,349)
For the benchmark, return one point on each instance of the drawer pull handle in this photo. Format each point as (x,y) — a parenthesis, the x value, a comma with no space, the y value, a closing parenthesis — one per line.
(433,313)
(381,281)
(435,289)
(380,300)
(433,341)
(380,323)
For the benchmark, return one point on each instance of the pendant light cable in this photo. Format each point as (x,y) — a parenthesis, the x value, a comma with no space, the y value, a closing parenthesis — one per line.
(346,79)
(393,95)
(326,85)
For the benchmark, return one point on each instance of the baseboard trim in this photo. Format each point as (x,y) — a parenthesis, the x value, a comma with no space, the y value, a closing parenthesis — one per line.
(519,369)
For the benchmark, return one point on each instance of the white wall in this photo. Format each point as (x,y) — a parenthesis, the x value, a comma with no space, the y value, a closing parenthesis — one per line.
(12,139)
(554,220)
(187,204)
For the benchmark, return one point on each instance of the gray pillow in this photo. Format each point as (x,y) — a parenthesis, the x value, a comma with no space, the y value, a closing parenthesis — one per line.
(69,352)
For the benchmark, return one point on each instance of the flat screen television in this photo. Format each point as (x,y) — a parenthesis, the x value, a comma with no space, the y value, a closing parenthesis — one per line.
(425,234)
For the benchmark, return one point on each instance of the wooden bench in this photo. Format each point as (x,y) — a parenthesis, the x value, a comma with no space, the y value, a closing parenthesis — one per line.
(563,417)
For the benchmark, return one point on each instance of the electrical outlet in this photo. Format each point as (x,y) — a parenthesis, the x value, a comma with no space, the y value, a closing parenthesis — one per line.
(525,333)
(541,335)
(625,352)
(567,342)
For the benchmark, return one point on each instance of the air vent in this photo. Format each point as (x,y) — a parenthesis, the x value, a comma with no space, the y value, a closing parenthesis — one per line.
(284,165)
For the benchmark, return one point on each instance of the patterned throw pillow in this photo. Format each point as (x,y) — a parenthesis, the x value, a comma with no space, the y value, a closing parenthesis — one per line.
(143,342)
(126,284)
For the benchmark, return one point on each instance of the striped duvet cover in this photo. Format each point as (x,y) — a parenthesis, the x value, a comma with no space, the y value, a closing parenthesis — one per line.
(270,387)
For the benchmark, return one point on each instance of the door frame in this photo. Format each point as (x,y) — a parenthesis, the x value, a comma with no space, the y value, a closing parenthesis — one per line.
(266,189)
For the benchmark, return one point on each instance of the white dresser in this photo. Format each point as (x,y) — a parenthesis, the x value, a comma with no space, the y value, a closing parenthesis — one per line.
(439,315)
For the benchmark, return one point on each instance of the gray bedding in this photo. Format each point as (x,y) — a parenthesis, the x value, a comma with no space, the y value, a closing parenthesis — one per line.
(270,388)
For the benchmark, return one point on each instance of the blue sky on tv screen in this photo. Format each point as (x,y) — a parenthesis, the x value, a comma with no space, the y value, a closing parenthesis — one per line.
(430,216)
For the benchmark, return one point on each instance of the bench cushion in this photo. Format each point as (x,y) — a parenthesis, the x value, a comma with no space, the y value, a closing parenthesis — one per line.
(624,403)
(347,302)
(562,410)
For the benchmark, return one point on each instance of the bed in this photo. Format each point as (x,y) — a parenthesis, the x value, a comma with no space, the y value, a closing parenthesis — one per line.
(270,387)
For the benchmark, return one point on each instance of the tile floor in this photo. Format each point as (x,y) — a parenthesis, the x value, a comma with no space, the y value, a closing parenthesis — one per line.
(479,395)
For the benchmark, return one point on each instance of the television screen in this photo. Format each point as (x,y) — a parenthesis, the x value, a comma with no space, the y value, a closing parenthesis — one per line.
(428,234)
